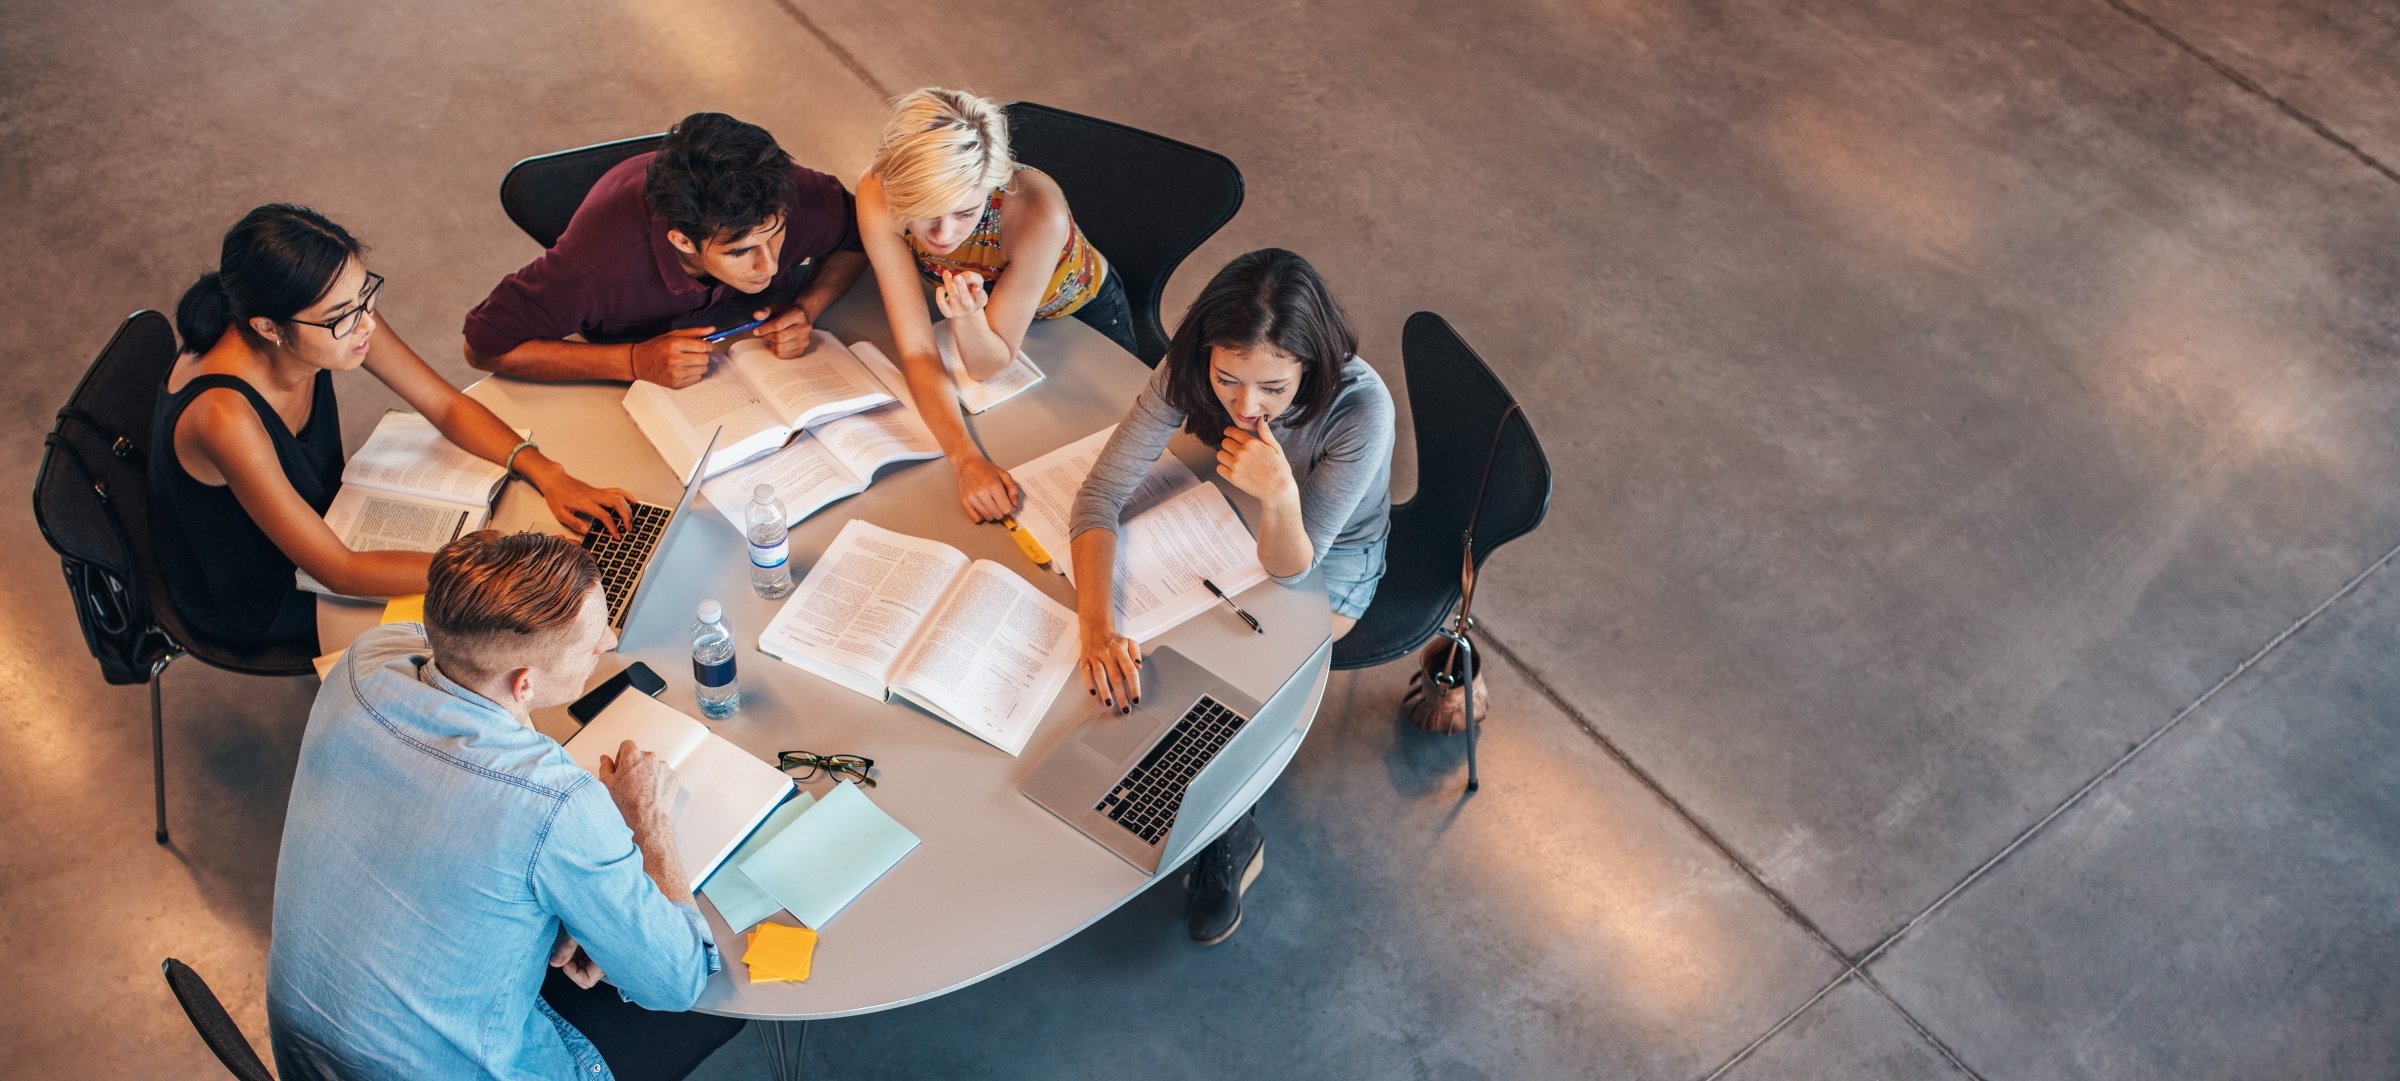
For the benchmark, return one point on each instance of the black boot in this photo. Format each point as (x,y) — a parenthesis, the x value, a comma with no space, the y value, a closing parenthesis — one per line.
(1220,874)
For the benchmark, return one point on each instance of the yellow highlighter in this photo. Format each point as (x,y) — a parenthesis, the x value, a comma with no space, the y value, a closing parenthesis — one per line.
(1025,543)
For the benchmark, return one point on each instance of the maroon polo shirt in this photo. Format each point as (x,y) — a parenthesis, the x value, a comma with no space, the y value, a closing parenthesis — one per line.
(613,276)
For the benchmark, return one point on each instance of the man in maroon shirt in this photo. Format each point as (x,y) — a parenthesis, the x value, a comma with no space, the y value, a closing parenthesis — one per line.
(719,226)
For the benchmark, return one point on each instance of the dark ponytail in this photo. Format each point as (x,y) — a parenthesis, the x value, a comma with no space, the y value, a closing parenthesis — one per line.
(276,261)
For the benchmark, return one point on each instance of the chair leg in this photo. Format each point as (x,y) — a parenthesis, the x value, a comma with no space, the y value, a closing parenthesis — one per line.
(158,747)
(1466,649)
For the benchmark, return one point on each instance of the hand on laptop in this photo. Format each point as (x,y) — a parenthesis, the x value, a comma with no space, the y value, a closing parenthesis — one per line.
(579,506)
(1112,667)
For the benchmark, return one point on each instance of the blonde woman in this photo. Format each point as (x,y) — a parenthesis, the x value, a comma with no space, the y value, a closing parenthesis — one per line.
(995,239)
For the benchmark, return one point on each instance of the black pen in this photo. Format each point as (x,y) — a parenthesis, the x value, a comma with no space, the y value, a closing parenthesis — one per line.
(1237,609)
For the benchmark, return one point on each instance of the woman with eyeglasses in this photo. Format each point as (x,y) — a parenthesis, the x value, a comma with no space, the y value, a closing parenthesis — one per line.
(247,437)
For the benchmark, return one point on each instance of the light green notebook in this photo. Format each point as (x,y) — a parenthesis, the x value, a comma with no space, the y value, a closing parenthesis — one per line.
(828,856)
(737,898)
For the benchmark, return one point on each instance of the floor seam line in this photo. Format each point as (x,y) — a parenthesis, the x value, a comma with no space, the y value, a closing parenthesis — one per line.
(2234,75)
(1868,980)
(1659,792)
(1708,836)
(2026,836)
(843,55)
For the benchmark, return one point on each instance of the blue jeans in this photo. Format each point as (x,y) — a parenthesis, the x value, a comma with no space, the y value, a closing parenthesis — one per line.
(1351,575)
(1109,313)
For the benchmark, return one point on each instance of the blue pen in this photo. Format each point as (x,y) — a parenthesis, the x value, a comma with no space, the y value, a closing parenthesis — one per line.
(724,334)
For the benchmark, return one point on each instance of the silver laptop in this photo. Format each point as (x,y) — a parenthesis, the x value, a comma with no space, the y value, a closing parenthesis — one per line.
(1145,784)
(625,558)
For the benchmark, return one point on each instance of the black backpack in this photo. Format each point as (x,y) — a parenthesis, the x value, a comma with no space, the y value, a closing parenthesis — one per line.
(92,499)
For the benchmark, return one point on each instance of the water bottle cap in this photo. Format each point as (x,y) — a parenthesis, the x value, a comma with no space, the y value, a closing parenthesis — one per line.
(764,493)
(711,612)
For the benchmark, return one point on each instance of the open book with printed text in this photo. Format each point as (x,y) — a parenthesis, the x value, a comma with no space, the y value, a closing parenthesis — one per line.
(411,489)
(894,616)
(834,459)
(758,398)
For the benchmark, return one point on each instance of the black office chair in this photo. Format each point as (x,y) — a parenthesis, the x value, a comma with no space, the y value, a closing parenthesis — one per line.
(541,193)
(1146,201)
(91,499)
(215,1026)
(1482,481)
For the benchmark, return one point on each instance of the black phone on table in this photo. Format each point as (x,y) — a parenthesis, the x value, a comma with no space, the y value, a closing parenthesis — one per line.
(636,675)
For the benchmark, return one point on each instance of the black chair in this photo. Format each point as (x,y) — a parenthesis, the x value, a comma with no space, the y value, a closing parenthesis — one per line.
(215,1026)
(1482,481)
(541,193)
(1146,201)
(91,499)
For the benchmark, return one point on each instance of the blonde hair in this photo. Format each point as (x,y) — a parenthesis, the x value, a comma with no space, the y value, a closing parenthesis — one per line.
(940,147)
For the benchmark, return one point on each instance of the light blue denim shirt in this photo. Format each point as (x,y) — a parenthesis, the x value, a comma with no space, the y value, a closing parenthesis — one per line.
(433,848)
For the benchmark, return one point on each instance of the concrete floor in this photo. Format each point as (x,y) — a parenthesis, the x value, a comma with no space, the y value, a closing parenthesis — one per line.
(1959,645)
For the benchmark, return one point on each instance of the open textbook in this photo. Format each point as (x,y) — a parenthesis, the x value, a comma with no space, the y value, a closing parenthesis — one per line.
(976,395)
(1174,531)
(832,460)
(758,398)
(409,488)
(722,791)
(894,616)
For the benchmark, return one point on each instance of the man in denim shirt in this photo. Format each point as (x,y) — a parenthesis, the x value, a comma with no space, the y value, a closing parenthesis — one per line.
(438,849)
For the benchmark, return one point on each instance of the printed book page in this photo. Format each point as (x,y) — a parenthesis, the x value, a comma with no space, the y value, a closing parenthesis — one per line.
(993,658)
(1052,480)
(407,454)
(826,382)
(862,603)
(370,519)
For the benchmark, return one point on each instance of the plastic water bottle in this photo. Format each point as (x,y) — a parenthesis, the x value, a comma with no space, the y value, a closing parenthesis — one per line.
(712,663)
(770,546)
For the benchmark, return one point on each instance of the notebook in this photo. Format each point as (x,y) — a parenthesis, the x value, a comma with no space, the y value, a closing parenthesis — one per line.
(737,898)
(724,792)
(829,855)
(976,395)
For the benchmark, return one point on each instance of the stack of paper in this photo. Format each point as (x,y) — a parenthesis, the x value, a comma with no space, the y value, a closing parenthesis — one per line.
(779,953)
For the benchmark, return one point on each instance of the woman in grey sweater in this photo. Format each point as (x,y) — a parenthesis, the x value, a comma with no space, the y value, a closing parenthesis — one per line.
(1264,367)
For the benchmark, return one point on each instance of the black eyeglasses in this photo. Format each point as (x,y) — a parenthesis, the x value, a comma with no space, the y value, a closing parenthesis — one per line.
(341,325)
(809,765)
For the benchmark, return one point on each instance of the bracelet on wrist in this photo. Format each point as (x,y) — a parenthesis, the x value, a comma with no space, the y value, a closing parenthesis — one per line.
(511,463)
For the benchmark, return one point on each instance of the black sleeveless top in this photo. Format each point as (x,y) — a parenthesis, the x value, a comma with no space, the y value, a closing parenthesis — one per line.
(226,577)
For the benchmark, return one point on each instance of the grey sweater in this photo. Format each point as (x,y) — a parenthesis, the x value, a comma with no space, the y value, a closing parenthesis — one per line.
(1342,461)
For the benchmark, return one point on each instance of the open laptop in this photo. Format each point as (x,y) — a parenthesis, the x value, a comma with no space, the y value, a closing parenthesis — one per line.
(626,556)
(1145,784)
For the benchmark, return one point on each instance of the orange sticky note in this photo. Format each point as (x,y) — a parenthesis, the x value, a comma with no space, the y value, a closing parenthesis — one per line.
(409,609)
(779,953)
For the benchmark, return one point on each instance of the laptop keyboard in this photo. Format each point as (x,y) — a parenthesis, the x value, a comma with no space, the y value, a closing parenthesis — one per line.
(622,557)
(1146,800)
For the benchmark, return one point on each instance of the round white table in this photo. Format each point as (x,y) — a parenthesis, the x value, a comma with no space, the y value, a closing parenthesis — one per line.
(997,879)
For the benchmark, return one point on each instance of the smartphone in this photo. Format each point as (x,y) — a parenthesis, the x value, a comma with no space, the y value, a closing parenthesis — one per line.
(636,675)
